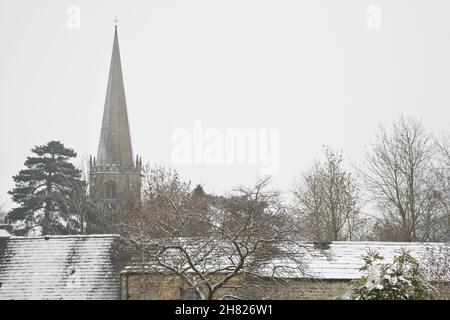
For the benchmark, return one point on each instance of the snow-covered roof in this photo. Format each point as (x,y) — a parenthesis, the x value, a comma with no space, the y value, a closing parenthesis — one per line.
(339,260)
(58,267)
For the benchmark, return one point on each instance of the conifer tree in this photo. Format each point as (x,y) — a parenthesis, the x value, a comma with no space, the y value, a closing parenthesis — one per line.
(48,178)
(198,191)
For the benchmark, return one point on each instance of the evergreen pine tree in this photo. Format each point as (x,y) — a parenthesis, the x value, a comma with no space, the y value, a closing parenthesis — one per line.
(48,178)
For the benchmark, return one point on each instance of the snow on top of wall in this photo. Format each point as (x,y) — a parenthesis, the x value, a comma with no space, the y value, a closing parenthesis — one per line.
(58,267)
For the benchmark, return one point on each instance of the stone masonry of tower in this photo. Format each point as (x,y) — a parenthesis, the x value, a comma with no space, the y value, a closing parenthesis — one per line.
(114,176)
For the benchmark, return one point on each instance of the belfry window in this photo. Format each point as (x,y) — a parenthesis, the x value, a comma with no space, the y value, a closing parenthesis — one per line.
(111,190)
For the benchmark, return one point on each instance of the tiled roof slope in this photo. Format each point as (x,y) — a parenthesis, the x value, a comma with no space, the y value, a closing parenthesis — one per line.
(342,259)
(338,260)
(58,267)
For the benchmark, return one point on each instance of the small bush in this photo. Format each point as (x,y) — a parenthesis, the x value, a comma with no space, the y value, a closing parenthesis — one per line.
(400,280)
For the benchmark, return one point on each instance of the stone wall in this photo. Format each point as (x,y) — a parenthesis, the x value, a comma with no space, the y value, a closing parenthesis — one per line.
(295,289)
(150,287)
(162,287)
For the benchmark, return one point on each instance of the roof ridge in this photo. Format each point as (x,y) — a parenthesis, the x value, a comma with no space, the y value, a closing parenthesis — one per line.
(386,243)
(65,236)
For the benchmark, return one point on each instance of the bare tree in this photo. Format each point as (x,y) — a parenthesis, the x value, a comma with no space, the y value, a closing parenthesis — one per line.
(89,213)
(161,184)
(443,172)
(401,178)
(444,149)
(3,213)
(327,201)
(244,235)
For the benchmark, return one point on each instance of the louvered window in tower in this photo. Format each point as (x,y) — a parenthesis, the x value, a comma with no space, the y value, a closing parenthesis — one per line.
(111,190)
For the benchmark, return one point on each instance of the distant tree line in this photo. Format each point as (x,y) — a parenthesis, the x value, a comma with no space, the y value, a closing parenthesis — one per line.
(400,193)
(405,179)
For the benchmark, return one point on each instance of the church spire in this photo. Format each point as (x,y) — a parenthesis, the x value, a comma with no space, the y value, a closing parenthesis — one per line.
(115,143)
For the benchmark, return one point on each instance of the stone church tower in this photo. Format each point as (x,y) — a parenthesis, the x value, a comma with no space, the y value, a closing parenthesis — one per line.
(114,176)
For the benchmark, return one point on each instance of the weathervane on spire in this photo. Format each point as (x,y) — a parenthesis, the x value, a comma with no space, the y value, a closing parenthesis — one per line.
(115,21)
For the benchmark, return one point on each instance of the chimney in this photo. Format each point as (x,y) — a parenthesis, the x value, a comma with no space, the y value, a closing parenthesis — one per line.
(322,245)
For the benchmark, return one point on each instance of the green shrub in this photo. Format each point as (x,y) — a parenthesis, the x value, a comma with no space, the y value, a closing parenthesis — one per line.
(400,280)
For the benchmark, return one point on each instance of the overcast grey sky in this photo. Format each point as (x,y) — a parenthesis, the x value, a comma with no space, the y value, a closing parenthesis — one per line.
(312,69)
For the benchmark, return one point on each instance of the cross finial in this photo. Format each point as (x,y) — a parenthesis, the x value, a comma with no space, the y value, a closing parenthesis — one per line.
(115,21)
